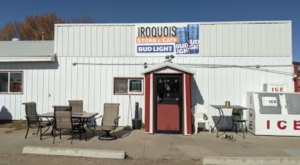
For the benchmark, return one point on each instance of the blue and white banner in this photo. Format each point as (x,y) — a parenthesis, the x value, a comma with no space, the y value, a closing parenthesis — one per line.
(167,39)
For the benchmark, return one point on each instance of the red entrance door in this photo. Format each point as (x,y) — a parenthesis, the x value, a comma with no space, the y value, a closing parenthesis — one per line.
(168,103)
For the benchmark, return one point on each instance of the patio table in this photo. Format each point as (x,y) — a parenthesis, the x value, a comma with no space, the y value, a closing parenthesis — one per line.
(220,108)
(82,116)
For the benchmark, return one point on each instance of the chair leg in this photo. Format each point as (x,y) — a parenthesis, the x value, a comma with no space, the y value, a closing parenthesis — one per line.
(94,131)
(54,132)
(60,134)
(41,134)
(246,130)
(27,132)
(85,135)
(72,137)
(37,132)
(236,127)
(232,127)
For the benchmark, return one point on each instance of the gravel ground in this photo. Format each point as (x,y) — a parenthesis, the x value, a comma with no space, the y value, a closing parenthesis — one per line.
(27,159)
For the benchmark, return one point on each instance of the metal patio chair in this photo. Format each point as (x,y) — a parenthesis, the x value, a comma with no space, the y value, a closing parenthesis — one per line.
(34,121)
(63,121)
(237,122)
(110,120)
(77,106)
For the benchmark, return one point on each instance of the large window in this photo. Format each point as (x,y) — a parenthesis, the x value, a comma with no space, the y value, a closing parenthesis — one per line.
(11,82)
(128,86)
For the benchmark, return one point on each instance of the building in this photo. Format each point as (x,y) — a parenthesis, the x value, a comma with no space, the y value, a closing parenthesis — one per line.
(297,76)
(213,62)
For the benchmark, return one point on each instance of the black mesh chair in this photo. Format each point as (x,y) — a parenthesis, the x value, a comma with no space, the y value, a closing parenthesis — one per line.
(238,124)
(34,121)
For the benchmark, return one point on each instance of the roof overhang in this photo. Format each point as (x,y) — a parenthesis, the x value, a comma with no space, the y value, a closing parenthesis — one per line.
(48,58)
(168,65)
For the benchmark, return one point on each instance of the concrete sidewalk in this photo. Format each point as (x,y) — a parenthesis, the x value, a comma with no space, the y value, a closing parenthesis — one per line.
(139,145)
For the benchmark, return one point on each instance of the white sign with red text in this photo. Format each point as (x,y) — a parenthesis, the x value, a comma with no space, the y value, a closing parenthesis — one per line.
(279,125)
(275,88)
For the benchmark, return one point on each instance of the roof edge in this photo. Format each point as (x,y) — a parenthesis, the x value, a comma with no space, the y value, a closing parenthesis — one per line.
(209,23)
(167,65)
(50,58)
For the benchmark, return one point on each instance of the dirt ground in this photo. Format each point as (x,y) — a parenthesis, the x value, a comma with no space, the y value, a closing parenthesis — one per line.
(27,159)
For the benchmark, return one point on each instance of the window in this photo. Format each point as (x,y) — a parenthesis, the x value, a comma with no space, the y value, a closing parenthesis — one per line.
(11,82)
(128,86)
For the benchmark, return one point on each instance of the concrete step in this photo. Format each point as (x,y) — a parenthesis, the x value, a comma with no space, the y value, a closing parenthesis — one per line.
(93,153)
(251,160)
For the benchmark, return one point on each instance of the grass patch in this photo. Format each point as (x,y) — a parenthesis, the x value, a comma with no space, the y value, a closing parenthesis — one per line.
(15,125)
(9,131)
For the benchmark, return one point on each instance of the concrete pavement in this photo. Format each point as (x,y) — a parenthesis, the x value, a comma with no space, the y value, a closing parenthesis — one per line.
(139,145)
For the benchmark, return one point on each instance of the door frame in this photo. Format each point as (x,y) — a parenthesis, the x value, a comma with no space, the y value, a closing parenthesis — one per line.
(181,109)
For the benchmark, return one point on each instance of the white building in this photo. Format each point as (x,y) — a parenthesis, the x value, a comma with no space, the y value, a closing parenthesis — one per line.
(101,63)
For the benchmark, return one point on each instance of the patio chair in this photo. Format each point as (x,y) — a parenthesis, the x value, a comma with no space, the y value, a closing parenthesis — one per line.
(77,106)
(110,120)
(63,121)
(237,122)
(34,121)
(200,116)
(91,123)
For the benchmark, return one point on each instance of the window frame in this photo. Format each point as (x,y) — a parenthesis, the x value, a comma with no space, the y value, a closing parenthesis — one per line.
(9,82)
(128,85)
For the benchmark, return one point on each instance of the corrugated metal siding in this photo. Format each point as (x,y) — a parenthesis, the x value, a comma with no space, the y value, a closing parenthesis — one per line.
(52,84)
(93,41)
(216,39)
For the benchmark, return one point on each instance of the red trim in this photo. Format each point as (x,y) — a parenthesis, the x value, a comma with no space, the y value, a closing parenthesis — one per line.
(188,103)
(153,106)
(168,73)
(183,102)
(147,102)
(296,80)
(154,71)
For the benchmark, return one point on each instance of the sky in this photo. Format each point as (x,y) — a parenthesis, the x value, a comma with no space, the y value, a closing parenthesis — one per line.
(148,11)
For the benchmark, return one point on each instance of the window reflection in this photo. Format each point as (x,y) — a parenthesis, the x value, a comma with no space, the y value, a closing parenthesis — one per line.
(168,89)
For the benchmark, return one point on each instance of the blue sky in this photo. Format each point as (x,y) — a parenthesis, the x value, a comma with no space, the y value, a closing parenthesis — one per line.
(115,11)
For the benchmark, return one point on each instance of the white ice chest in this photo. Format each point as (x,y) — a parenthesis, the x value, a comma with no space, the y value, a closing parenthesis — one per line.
(274,113)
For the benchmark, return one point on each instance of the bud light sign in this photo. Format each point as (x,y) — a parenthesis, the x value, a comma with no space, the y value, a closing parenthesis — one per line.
(161,39)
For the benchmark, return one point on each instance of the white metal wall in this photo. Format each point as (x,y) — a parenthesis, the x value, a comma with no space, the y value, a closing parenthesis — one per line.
(94,40)
(216,39)
(93,83)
